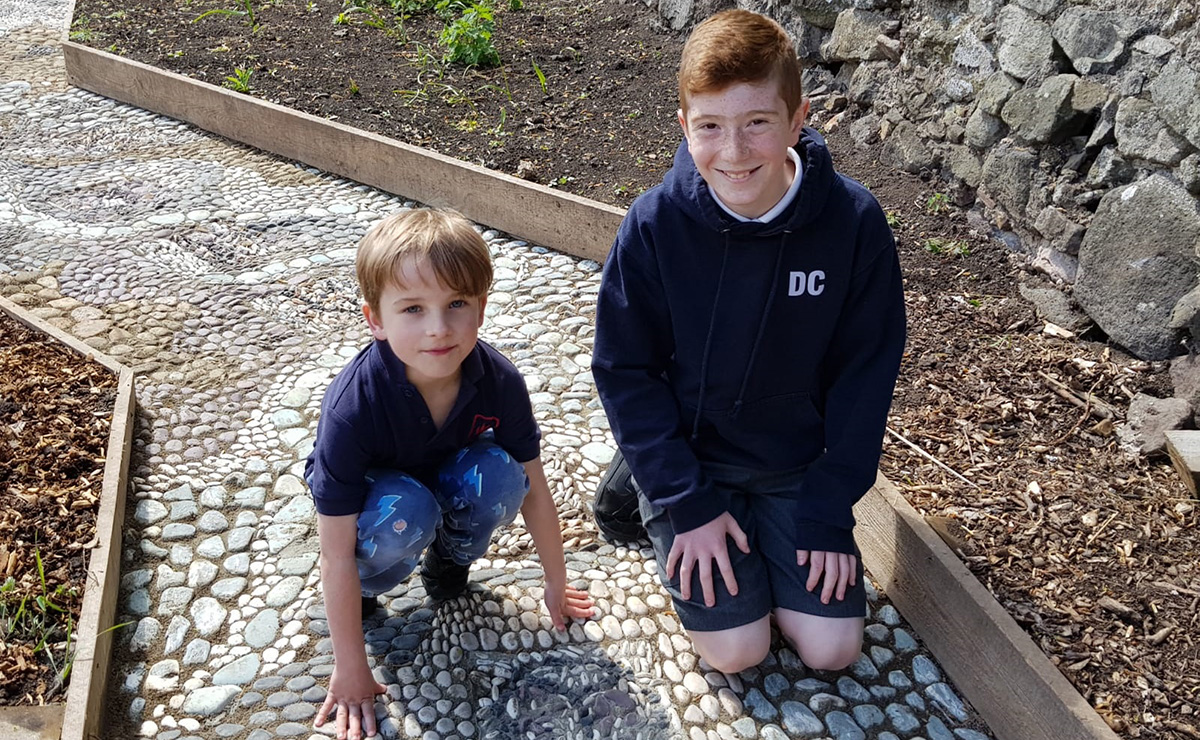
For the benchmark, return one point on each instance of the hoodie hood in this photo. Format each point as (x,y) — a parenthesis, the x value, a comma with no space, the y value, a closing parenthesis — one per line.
(688,191)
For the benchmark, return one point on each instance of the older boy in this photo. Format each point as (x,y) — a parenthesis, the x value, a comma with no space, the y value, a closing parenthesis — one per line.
(426,442)
(749,331)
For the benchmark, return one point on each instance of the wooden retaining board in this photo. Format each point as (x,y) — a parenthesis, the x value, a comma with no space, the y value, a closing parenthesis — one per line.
(84,710)
(997,667)
(533,212)
(990,659)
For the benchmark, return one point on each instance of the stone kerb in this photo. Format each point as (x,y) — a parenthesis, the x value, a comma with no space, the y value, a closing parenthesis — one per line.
(84,708)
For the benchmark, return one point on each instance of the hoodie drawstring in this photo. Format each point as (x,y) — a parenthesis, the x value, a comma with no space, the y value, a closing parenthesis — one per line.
(762,324)
(712,322)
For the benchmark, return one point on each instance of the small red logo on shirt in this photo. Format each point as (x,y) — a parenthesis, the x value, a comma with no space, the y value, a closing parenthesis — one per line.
(483,423)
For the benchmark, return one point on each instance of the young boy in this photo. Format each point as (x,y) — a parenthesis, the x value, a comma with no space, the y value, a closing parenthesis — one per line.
(426,443)
(749,331)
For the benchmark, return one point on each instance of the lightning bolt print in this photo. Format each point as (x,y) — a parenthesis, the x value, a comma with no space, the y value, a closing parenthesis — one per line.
(387,507)
(472,479)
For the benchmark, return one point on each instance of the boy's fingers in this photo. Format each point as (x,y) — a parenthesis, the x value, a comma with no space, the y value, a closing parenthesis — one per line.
(323,712)
(853,570)
(739,537)
(727,574)
(816,563)
(843,576)
(685,579)
(368,716)
(673,560)
(831,578)
(706,581)
(801,557)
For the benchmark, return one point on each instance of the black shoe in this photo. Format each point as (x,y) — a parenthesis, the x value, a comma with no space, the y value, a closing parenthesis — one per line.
(443,578)
(616,505)
(369,605)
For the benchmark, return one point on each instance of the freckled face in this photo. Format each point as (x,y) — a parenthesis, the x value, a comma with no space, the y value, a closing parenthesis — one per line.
(430,327)
(738,137)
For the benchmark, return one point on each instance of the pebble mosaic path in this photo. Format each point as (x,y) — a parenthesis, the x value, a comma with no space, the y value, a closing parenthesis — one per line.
(223,277)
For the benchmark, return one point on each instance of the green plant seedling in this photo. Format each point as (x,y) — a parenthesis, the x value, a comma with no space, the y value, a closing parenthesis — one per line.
(239,81)
(951,247)
(540,77)
(468,40)
(80,30)
(937,203)
(516,5)
(246,11)
(352,88)
(894,220)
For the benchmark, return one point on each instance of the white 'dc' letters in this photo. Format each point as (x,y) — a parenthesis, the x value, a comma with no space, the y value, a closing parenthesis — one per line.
(810,283)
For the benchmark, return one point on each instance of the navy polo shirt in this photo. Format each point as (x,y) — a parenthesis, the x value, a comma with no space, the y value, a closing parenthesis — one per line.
(372,417)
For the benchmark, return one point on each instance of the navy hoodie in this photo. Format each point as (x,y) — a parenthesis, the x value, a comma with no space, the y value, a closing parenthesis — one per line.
(766,346)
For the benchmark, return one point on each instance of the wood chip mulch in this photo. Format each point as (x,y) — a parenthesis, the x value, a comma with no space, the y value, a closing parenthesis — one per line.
(55,412)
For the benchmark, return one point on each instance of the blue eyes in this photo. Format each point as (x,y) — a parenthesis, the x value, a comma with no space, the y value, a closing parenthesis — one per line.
(457,303)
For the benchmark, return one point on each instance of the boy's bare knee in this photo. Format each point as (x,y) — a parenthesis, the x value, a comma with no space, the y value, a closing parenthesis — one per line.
(830,657)
(733,658)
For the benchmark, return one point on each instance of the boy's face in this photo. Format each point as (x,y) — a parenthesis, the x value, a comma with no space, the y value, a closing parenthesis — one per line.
(429,326)
(738,137)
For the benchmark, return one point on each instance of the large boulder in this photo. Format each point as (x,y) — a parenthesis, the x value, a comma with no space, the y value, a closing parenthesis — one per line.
(1148,421)
(1041,7)
(1137,260)
(1008,177)
(855,36)
(1027,46)
(1143,134)
(1044,114)
(1176,92)
(1094,40)
(907,150)
(971,56)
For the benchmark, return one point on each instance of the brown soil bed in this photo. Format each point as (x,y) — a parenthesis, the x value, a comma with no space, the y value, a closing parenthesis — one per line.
(55,412)
(1091,550)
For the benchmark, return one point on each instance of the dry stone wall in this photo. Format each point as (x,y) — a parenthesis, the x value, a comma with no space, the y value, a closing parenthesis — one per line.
(1070,127)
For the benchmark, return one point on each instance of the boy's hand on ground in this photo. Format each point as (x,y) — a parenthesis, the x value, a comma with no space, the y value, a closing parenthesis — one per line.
(839,569)
(698,548)
(352,695)
(565,603)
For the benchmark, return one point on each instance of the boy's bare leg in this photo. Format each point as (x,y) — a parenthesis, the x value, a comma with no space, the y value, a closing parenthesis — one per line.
(736,649)
(823,643)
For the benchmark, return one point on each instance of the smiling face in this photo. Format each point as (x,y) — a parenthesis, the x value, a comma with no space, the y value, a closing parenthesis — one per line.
(430,327)
(739,137)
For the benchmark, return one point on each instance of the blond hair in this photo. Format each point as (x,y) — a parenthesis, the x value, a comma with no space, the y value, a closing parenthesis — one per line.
(443,238)
(739,46)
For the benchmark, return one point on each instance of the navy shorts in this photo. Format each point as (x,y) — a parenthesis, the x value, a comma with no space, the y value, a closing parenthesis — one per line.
(768,576)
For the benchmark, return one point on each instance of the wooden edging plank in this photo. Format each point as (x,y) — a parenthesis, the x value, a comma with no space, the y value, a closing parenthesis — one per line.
(996,666)
(1006,677)
(536,213)
(84,709)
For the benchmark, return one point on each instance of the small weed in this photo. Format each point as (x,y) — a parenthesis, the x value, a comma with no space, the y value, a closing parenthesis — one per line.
(937,203)
(468,40)
(894,220)
(467,125)
(310,7)
(175,54)
(516,5)
(561,180)
(40,620)
(117,16)
(80,30)
(498,129)
(246,12)
(352,88)
(239,81)
(540,77)
(633,115)
(950,247)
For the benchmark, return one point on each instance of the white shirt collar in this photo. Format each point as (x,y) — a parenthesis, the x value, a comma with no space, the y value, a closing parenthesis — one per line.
(779,207)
